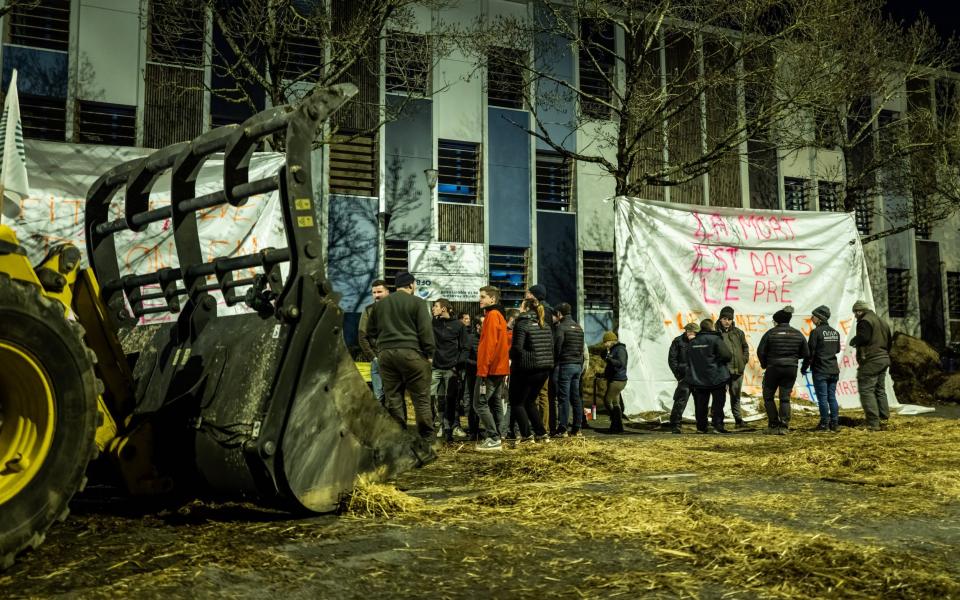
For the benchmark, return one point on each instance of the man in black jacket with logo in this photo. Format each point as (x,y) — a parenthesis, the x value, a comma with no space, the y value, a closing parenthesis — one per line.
(568,347)
(707,374)
(824,345)
(780,349)
(677,359)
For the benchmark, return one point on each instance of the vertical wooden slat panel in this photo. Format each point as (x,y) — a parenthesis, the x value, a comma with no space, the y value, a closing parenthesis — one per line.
(460,223)
(722,118)
(173,105)
(683,132)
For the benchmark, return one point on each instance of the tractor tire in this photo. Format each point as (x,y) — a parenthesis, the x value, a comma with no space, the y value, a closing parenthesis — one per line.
(48,415)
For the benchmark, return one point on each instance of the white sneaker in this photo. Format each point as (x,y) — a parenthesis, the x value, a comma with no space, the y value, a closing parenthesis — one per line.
(489,444)
(459,433)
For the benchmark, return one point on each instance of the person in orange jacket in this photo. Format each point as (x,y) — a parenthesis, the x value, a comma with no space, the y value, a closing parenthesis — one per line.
(493,365)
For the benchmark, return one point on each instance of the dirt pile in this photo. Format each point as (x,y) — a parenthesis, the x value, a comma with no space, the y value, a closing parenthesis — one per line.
(917,374)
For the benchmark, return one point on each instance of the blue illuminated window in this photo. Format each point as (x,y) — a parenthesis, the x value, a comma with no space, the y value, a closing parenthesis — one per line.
(508,273)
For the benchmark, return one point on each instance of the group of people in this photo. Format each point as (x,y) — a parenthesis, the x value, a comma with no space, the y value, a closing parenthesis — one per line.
(708,361)
(463,365)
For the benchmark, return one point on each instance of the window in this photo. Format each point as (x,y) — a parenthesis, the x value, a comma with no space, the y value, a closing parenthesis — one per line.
(459,171)
(953,294)
(176,37)
(396,259)
(829,194)
(898,284)
(863,215)
(508,273)
(599,281)
(597,59)
(102,123)
(504,79)
(796,194)
(408,63)
(922,230)
(554,181)
(43,118)
(45,24)
(353,165)
(304,50)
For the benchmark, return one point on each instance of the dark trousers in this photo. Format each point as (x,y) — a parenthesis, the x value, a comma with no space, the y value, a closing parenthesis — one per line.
(733,391)
(871,383)
(525,386)
(406,370)
(701,405)
(568,397)
(680,398)
(486,403)
(778,378)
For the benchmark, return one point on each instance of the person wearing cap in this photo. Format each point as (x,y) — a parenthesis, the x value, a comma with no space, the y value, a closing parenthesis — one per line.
(780,351)
(736,340)
(615,355)
(707,375)
(402,325)
(872,341)
(677,359)
(824,345)
(547,398)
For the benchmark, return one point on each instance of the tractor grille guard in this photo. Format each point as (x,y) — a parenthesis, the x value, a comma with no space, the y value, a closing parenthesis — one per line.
(184,160)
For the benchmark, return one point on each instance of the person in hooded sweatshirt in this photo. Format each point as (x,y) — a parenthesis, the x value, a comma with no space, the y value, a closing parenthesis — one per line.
(707,374)
(824,345)
(615,355)
(677,359)
(780,351)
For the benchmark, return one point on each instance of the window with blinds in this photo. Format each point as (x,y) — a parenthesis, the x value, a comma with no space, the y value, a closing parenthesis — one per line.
(864,215)
(176,38)
(41,24)
(953,294)
(599,281)
(829,196)
(898,287)
(109,124)
(396,259)
(458,176)
(43,118)
(796,194)
(353,164)
(408,63)
(508,272)
(554,181)
(504,79)
(596,60)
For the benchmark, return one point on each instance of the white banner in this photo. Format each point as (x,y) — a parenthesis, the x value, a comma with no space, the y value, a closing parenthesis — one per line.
(60,175)
(452,270)
(680,263)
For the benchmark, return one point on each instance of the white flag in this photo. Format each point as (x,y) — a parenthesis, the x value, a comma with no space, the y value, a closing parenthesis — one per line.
(13,158)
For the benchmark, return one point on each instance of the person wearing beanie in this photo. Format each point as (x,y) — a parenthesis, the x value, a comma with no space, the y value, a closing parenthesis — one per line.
(677,360)
(402,325)
(872,341)
(707,375)
(547,398)
(615,355)
(736,340)
(824,345)
(779,351)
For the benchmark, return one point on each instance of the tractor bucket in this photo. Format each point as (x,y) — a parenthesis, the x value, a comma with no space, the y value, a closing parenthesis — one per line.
(266,405)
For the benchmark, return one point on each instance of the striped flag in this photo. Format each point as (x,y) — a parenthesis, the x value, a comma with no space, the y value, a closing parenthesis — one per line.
(13,157)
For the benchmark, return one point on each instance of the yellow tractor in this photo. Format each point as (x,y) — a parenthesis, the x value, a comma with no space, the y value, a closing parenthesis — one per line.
(265,405)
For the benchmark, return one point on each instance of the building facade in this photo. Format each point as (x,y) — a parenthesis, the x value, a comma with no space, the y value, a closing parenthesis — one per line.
(453,166)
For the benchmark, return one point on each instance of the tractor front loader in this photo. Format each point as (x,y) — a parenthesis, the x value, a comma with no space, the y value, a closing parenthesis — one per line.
(266,405)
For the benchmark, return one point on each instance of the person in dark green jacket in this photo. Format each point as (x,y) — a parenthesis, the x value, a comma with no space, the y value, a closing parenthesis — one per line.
(873,342)
(403,328)
(736,340)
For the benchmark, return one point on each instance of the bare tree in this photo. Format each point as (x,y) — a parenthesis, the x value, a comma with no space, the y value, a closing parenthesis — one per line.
(13,5)
(876,111)
(276,51)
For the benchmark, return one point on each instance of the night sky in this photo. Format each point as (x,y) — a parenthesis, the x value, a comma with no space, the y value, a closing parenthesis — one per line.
(945,14)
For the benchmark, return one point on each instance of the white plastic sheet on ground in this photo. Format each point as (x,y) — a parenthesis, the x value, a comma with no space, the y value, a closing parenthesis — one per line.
(61,174)
(680,263)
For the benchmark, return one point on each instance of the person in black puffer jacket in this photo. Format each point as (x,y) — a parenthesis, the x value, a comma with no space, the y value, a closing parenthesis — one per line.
(531,361)
(707,374)
(568,345)
(780,349)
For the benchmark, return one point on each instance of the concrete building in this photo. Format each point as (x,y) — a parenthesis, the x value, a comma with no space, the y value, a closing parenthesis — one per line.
(453,168)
